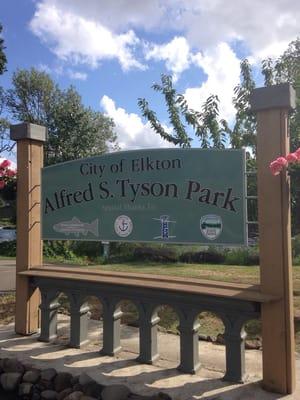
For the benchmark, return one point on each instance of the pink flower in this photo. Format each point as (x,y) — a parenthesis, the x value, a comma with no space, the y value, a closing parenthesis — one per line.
(10,172)
(2,184)
(297,152)
(5,164)
(277,165)
(292,158)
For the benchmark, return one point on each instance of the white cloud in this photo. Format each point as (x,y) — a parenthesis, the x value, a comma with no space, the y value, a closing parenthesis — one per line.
(92,31)
(79,40)
(223,70)
(176,54)
(56,70)
(260,25)
(81,76)
(132,133)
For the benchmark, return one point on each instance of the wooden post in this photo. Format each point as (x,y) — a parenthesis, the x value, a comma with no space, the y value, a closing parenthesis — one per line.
(272,105)
(30,140)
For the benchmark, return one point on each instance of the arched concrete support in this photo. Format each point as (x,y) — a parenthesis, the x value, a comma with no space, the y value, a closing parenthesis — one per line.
(111,327)
(148,321)
(49,306)
(189,341)
(79,321)
(235,336)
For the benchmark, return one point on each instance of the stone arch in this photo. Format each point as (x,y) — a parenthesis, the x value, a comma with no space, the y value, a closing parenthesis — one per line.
(211,333)
(166,320)
(129,324)
(94,319)
(54,304)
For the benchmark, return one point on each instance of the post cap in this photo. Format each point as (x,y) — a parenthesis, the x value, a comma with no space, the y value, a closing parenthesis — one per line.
(27,130)
(276,96)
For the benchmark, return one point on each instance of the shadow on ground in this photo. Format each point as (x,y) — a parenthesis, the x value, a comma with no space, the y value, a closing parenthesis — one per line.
(143,379)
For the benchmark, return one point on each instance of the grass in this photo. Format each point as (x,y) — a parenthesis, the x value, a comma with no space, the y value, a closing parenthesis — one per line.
(210,324)
(224,273)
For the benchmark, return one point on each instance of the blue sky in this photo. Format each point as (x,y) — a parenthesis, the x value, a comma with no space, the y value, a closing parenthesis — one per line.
(113,51)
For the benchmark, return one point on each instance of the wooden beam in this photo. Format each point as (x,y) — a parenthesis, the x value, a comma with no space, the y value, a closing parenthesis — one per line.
(272,105)
(30,140)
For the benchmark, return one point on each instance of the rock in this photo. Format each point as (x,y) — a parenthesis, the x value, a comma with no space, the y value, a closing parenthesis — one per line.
(220,338)
(48,374)
(253,344)
(84,379)
(63,394)
(25,389)
(40,386)
(12,365)
(74,380)
(92,389)
(77,387)
(115,392)
(28,366)
(49,395)
(84,397)
(45,385)
(74,396)
(161,396)
(10,380)
(62,381)
(32,376)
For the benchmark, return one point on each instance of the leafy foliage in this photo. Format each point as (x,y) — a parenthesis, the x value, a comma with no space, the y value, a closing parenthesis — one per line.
(5,145)
(3,59)
(74,131)
(32,96)
(204,124)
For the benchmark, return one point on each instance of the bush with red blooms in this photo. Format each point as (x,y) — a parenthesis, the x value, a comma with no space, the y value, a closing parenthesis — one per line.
(8,180)
(280,163)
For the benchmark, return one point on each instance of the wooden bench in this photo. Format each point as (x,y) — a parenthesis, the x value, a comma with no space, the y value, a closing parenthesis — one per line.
(234,303)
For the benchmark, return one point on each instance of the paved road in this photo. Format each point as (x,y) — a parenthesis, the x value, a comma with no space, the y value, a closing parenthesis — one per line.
(7,275)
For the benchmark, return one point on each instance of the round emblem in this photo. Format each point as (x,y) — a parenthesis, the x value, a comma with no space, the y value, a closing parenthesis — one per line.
(123,226)
(211,226)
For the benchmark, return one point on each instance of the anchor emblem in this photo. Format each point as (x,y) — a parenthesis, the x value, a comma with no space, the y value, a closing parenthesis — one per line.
(123,225)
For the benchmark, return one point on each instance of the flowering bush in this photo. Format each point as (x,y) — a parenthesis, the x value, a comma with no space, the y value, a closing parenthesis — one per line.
(277,165)
(8,179)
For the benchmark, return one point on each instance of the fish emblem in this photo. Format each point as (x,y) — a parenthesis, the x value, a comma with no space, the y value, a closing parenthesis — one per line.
(76,227)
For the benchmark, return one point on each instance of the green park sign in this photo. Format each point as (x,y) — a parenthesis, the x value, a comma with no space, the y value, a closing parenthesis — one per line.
(162,195)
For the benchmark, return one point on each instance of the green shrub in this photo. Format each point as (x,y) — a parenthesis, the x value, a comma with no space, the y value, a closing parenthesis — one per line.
(242,256)
(296,246)
(296,261)
(58,249)
(151,254)
(92,250)
(8,249)
(202,257)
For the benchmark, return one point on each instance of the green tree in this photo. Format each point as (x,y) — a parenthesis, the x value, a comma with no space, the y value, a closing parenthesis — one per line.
(32,96)
(5,144)
(287,69)
(74,131)
(3,59)
(214,132)
(185,120)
